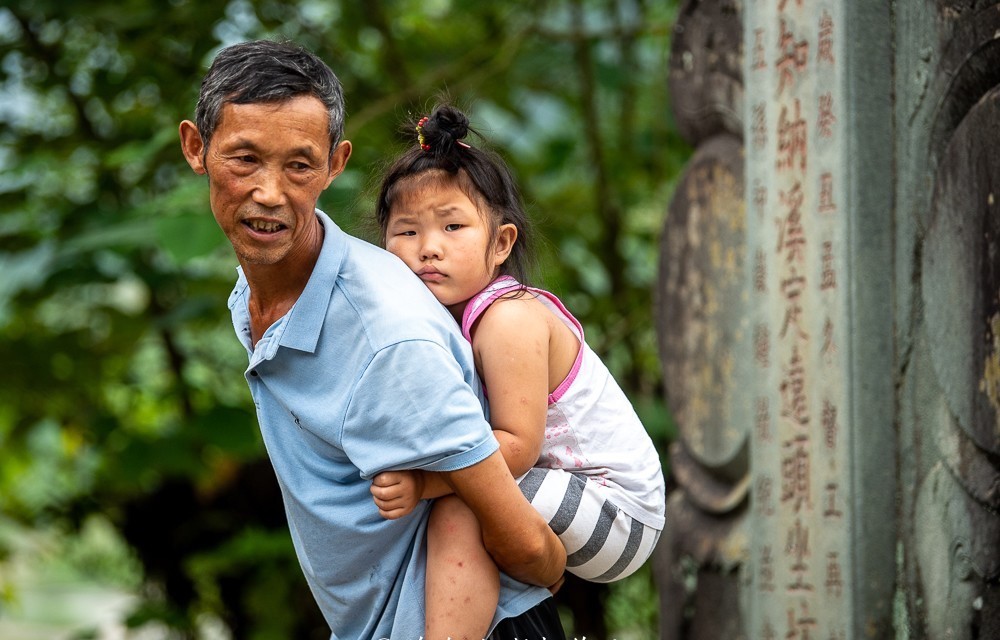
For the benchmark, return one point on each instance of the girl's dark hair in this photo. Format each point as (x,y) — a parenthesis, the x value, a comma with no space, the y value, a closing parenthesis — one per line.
(480,173)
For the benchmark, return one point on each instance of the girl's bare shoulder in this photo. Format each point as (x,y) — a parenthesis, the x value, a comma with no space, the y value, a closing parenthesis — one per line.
(513,316)
(523,306)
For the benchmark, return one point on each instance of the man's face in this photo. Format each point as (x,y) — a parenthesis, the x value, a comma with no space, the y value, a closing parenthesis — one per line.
(267,165)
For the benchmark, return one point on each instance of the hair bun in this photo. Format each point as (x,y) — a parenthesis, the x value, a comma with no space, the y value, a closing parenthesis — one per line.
(445,127)
(453,123)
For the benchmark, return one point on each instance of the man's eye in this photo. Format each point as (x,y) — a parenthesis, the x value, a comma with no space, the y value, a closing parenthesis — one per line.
(300,166)
(247,158)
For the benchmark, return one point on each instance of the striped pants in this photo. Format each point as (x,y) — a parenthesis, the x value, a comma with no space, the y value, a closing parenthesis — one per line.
(603,543)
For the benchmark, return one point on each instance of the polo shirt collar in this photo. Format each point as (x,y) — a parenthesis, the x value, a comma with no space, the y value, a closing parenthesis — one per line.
(305,319)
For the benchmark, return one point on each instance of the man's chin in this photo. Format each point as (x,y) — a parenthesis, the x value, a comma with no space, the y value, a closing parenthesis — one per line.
(259,258)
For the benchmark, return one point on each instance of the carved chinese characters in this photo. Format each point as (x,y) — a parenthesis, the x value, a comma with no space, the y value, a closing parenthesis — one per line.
(794,161)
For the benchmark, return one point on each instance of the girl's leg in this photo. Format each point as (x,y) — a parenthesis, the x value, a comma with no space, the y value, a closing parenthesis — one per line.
(463,582)
(603,543)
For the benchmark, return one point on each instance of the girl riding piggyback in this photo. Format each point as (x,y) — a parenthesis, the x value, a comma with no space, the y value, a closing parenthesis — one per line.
(453,213)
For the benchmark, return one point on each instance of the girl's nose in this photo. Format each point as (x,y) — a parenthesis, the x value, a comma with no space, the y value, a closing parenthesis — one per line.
(430,250)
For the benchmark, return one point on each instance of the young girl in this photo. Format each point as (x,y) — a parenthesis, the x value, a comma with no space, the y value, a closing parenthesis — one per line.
(453,214)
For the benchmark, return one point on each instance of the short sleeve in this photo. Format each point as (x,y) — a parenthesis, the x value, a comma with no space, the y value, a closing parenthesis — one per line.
(414,408)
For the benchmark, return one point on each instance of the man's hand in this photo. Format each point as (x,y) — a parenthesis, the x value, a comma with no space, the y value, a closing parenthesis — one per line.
(397,493)
(519,539)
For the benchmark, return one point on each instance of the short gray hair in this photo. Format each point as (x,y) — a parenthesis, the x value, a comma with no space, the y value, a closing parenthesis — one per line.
(267,71)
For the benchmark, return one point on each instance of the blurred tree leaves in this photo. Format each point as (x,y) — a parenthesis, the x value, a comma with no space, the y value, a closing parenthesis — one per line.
(122,392)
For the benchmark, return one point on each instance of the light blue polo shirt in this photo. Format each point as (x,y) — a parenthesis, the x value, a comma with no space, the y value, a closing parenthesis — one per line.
(366,373)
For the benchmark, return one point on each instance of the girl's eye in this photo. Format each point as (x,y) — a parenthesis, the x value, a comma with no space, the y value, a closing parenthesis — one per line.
(407,233)
(453,227)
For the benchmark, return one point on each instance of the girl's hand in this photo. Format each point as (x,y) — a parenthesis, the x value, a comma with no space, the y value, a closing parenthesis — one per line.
(396,493)
(554,588)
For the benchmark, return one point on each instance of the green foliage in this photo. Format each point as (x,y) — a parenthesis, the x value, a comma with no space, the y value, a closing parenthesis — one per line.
(633,606)
(123,378)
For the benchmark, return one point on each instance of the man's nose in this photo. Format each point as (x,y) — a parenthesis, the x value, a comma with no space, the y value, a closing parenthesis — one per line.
(269,190)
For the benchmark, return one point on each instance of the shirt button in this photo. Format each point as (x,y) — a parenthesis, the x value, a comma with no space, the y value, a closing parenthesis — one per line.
(253,372)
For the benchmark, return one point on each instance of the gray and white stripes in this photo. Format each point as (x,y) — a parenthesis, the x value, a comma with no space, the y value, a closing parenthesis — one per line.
(603,542)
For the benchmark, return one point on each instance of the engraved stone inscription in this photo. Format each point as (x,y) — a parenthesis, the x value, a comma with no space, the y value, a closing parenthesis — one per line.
(801,526)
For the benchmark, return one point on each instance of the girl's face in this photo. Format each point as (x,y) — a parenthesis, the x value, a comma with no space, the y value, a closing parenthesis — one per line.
(443,238)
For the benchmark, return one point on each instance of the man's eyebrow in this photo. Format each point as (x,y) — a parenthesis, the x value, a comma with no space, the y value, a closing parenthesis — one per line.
(242,143)
(305,150)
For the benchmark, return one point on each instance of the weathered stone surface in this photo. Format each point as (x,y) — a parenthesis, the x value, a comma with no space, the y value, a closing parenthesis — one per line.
(701,309)
(697,568)
(967,68)
(955,570)
(706,75)
(819,225)
(701,325)
(704,489)
(950,400)
(961,274)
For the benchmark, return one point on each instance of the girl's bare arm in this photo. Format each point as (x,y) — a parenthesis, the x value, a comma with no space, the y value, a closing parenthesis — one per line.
(511,344)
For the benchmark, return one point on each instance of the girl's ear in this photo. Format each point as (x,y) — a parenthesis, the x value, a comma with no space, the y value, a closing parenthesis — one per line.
(505,239)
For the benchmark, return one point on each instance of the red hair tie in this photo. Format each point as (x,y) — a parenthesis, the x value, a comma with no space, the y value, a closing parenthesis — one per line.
(420,134)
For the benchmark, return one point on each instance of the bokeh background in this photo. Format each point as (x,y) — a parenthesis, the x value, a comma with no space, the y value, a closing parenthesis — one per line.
(135,496)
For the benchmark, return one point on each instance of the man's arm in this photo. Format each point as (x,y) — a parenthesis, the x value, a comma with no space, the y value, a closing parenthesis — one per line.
(428,418)
(520,541)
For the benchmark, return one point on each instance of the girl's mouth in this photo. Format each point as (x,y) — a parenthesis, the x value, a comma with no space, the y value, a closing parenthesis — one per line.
(430,274)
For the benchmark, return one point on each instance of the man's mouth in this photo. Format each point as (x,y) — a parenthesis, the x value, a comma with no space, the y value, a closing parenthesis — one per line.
(264,226)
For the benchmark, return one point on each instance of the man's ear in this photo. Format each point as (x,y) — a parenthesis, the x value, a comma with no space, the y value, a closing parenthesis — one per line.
(338,160)
(505,239)
(192,146)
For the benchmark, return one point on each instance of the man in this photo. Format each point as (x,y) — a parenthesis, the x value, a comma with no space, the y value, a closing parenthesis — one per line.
(354,367)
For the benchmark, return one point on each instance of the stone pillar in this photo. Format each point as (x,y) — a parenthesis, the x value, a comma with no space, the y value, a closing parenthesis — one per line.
(819,193)
(701,316)
(947,88)
(838,398)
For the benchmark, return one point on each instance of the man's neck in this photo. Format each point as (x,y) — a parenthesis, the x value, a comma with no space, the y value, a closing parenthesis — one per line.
(274,288)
